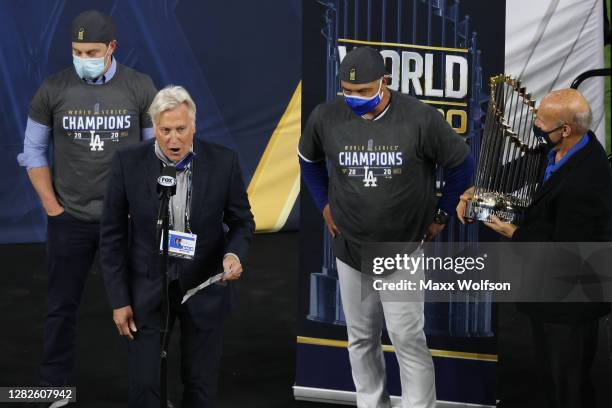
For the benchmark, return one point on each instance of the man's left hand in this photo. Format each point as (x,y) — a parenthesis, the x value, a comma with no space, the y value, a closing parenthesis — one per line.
(504,228)
(232,268)
(433,230)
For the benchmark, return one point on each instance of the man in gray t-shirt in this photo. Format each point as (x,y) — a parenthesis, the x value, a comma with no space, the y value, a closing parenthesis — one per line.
(381,148)
(87,112)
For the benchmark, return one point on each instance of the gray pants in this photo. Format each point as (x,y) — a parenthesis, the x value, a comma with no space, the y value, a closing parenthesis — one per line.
(364,310)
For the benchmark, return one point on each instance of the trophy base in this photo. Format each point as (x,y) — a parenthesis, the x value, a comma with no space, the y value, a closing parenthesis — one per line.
(482,210)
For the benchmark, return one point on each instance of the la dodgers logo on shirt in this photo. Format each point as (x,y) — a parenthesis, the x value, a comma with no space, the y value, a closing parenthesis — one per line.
(368,178)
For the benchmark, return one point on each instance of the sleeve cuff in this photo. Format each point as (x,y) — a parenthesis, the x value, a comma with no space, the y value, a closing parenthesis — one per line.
(30,161)
(306,159)
(119,300)
(231,254)
(147,133)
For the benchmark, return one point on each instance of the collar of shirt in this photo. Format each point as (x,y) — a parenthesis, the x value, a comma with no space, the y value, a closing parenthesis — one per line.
(181,164)
(107,76)
(178,202)
(552,166)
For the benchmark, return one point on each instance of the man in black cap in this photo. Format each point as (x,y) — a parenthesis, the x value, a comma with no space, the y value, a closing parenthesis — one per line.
(382,148)
(87,111)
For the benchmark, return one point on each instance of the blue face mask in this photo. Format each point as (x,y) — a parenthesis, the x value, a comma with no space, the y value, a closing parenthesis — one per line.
(362,105)
(89,68)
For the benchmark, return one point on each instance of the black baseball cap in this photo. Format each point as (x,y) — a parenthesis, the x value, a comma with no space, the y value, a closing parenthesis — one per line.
(362,65)
(92,26)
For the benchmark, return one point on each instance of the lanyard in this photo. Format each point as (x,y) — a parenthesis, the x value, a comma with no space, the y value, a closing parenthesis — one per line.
(188,202)
(189,171)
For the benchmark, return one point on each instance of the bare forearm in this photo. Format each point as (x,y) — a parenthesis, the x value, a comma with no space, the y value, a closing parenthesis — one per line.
(40,178)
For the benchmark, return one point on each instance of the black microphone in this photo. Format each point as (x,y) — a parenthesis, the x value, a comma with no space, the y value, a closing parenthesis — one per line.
(166,183)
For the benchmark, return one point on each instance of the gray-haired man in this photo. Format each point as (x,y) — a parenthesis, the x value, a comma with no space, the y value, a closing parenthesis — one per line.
(210,194)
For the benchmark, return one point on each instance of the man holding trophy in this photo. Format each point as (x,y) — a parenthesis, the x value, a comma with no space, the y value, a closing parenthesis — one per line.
(571,203)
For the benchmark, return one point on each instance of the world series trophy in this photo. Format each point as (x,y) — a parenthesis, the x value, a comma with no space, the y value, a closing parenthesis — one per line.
(512,158)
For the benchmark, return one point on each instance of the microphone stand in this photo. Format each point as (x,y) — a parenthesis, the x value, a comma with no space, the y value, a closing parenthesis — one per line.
(163,222)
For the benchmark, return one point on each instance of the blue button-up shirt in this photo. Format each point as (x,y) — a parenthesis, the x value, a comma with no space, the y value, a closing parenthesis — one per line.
(552,166)
(36,141)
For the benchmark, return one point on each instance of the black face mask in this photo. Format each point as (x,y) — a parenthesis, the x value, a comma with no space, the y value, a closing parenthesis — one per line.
(545,136)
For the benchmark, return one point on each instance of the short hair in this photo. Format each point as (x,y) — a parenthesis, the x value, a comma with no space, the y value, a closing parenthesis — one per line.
(583,120)
(170,98)
(573,109)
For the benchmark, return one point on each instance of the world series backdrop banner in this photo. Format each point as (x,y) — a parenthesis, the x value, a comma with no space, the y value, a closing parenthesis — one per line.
(248,98)
(443,52)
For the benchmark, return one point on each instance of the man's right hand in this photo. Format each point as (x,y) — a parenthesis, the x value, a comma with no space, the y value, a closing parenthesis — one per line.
(124,320)
(467,195)
(329,221)
(41,180)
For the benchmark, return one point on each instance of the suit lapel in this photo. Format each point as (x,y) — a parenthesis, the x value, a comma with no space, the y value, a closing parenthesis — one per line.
(153,170)
(557,177)
(201,171)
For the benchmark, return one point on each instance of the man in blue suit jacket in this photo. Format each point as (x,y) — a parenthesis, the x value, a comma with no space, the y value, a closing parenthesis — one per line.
(211,203)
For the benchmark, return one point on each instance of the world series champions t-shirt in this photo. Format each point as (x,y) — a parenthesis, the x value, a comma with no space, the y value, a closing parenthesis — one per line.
(381,172)
(89,124)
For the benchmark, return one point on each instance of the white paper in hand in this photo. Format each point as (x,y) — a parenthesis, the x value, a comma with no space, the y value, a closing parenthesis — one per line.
(207,282)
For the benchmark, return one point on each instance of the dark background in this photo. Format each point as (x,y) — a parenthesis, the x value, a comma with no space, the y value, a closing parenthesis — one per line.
(258,363)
